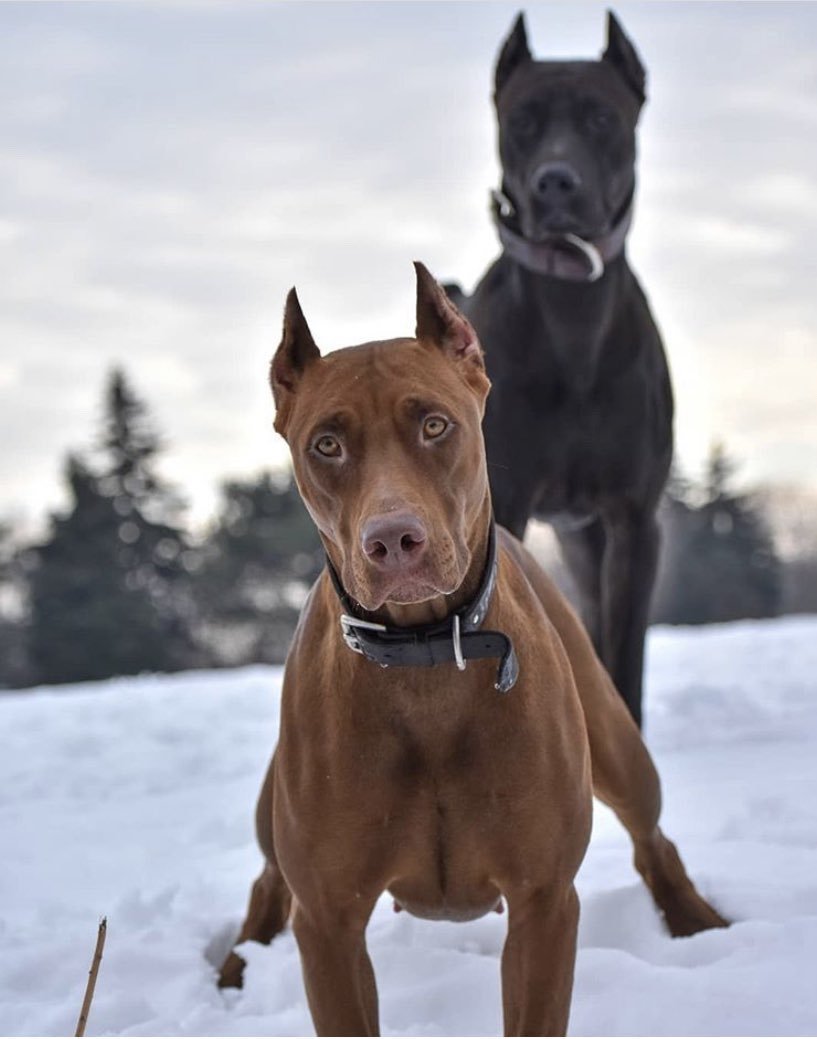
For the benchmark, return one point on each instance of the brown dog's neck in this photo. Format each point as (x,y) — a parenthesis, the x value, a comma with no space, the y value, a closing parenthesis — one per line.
(458,636)
(415,614)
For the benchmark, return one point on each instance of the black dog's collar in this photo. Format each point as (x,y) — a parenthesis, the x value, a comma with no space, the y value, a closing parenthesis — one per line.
(458,638)
(565,256)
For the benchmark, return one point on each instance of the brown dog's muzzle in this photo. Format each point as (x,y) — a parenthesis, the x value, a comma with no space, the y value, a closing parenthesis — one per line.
(402,555)
(394,541)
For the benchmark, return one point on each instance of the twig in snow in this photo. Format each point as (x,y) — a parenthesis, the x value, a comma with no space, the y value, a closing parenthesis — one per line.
(92,973)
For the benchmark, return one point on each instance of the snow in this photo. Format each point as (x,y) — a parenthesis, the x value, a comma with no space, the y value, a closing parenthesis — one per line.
(134,799)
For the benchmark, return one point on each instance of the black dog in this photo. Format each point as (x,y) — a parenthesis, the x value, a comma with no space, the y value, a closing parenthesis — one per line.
(579,421)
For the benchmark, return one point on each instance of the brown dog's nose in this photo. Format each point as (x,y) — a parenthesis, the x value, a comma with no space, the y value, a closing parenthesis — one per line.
(393,539)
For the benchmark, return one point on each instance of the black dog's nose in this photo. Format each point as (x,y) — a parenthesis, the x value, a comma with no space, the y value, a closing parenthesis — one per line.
(393,540)
(554,181)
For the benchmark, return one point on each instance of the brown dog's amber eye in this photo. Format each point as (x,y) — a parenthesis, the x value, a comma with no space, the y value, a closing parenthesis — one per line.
(328,446)
(434,427)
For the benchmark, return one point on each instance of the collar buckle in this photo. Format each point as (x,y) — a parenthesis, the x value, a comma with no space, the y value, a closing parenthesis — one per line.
(349,624)
(590,253)
(459,660)
(502,203)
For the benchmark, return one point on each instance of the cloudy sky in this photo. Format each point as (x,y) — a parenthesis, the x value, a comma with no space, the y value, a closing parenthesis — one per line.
(168,170)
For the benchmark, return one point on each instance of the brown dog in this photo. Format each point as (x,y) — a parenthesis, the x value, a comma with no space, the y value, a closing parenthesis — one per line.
(460,771)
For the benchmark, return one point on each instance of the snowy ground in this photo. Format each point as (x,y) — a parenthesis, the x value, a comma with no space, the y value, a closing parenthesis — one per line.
(134,798)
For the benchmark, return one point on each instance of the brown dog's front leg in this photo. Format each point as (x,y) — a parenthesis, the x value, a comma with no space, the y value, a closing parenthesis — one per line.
(538,961)
(338,975)
(267,916)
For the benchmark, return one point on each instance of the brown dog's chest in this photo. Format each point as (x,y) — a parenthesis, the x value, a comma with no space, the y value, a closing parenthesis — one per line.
(429,815)
(430,783)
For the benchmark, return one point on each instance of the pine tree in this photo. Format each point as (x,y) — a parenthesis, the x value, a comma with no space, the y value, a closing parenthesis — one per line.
(720,562)
(129,447)
(109,591)
(259,558)
(149,508)
(14,671)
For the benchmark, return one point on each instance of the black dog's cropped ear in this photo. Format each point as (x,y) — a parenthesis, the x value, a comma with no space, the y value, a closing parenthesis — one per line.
(515,52)
(623,56)
(440,324)
(296,351)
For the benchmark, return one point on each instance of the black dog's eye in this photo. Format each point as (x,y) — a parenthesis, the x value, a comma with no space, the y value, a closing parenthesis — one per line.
(599,120)
(524,124)
(434,426)
(328,446)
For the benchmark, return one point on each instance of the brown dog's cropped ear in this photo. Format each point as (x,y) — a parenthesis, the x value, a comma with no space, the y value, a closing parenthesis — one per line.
(441,324)
(623,56)
(296,351)
(515,52)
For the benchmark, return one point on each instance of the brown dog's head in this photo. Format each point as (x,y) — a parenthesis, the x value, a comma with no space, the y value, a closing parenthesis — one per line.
(387,449)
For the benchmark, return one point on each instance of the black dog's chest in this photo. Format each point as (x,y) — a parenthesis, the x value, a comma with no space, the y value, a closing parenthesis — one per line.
(576,448)
(576,472)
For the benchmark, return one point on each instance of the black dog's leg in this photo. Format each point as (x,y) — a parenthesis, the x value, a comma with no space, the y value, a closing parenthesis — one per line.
(627,577)
(583,553)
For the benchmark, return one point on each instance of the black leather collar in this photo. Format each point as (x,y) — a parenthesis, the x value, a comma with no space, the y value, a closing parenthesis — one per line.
(565,256)
(456,639)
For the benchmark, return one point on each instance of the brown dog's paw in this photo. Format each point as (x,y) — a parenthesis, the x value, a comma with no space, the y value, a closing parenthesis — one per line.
(690,915)
(231,974)
(685,911)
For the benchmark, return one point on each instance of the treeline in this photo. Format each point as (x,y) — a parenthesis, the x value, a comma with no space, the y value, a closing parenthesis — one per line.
(118,585)
(719,561)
